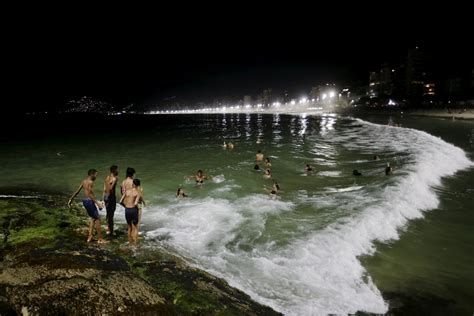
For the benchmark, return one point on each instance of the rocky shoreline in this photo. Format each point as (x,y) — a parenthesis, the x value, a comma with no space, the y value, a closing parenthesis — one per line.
(47,268)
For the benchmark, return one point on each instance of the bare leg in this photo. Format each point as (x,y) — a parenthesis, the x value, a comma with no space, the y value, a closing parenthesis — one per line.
(129,234)
(135,234)
(91,227)
(99,232)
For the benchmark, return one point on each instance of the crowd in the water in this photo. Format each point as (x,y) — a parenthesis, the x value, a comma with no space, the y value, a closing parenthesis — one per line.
(132,194)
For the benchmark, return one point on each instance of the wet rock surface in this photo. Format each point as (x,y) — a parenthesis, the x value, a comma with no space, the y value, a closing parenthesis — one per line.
(47,268)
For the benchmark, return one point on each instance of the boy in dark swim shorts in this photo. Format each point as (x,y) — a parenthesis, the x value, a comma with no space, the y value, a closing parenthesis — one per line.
(90,204)
(130,200)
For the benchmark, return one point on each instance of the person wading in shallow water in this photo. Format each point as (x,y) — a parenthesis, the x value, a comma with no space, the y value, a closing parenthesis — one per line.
(130,199)
(109,198)
(128,182)
(90,204)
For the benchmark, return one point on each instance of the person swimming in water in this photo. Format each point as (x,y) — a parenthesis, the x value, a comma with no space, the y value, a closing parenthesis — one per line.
(376,157)
(230,146)
(224,145)
(267,163)
(180,193)
(200,177)
(356,173)
(388,169)
(267,174)
(259,156)
(90,204)
(256,167)
(274,190)
(308,168)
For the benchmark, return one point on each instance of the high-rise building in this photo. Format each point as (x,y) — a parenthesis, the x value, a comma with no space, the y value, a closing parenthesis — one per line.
(267,97)
(374,83)
(416,72)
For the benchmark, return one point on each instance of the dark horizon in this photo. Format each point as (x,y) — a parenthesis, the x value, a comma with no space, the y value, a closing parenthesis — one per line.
(148,64)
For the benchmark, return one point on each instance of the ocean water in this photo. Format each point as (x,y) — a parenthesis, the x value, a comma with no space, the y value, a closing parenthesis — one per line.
(322,246)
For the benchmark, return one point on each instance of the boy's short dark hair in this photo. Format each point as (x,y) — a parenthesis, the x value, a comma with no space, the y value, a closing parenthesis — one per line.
(130,172)
(91,172)
(113,168)
(136,182)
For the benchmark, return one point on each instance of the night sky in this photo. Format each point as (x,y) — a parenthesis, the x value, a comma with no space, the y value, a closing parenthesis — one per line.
(146,58)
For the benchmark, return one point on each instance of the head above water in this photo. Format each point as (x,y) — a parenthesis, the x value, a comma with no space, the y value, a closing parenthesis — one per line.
(114,170)
(92,173)
(200,172)
(267,159)
(136,183)
(130,173)
(259,152)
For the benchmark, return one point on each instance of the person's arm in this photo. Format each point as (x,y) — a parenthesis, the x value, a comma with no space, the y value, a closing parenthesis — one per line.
(121,200)
(137,199)
(98,203)
(105,188)
(74,195)
(142,199)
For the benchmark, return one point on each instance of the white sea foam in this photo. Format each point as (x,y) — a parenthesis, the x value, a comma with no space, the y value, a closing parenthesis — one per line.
(318,273)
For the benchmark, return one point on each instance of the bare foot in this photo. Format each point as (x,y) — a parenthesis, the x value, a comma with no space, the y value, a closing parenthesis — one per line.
(102,241)
(89,239)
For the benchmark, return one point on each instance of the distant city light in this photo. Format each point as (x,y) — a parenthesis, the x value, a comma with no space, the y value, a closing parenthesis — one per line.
(303,100)
(293,102)
(324,96)
(332,94)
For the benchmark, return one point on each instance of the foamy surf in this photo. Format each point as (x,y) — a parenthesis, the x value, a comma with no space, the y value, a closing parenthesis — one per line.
(301,272)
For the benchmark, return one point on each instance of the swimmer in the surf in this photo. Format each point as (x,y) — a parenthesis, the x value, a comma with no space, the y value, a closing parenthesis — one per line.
(308,168)
(180,193)
(267,174)
(388,169)
(274,190)
(267,163)
(259,156)
(356,173)
(200,177)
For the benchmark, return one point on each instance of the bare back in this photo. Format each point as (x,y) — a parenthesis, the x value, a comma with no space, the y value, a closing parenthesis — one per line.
(132,198)
(127,184)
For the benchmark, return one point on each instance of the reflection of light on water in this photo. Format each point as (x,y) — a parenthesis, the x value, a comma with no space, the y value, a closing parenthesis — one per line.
(292,126)
(276,128)
(247,126)
(304,124)
(260,125)
(327,124)
(224,123)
